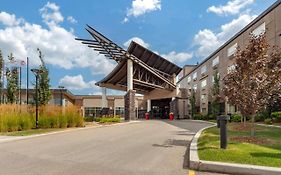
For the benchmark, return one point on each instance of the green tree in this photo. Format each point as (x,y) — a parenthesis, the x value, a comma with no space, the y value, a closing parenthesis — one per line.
(215,94)
(192,101)
(12,75)
(44,81)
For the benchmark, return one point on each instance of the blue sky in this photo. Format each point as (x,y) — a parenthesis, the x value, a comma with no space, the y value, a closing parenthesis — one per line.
(182,31)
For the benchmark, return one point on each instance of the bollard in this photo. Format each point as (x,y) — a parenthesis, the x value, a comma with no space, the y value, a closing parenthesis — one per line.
(222,124)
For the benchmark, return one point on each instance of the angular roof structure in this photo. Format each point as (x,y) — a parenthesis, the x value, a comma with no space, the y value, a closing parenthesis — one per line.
(150,71)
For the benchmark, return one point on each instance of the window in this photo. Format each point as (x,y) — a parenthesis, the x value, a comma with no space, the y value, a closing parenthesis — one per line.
(216,61)
(204,69)
(203,98)
(203,83)
(230,68)
(92,111)
(195,87)
(119,111)
(188,79)
(231,50)
(259,30)
(194,76)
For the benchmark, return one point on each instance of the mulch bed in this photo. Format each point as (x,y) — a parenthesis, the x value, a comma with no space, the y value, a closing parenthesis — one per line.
(241,127)
(248,139)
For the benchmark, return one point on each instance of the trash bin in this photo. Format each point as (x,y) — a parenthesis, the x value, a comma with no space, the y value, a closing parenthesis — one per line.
(171,116)
(146,116)
(222,124)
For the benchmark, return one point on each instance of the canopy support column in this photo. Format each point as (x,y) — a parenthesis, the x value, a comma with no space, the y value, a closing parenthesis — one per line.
(129,74)
(130,113)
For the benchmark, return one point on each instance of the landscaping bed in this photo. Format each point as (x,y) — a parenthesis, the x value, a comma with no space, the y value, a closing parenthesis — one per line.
(264,149)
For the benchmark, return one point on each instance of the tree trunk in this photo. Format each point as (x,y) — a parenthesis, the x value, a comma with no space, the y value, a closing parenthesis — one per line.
(244,120)
(253,129)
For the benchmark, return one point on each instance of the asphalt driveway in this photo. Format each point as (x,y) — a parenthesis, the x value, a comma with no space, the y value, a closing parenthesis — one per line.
(145,147)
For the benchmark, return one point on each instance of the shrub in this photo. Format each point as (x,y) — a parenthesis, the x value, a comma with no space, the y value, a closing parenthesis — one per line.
(88,119)
(97,119)
(198,117)
(276,115)
(268,121)
(236,118)
(110,120)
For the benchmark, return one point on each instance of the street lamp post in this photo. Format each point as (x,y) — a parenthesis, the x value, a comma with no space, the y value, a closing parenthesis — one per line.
(36,72)
(61,89)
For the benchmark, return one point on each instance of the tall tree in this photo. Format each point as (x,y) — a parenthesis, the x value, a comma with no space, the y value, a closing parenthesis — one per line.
(255,77)
(1,77)
(192,101)
(215,94)
(44,81)
(12,75)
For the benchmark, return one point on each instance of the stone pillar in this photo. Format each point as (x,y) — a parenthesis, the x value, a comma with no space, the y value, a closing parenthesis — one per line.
(129,75)
(130,113)
(103,98)
(148,105)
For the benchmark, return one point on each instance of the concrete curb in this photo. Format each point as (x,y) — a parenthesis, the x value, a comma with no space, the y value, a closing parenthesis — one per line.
(16,138)
(202,121)
(228,168)
(270,126)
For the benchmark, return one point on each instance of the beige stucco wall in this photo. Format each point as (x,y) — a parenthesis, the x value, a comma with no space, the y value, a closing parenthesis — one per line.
(119,102)
(92,102)
(160,94)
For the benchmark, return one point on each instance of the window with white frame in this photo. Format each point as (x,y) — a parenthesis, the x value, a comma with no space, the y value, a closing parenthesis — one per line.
(232,50)
(194,76)
(204,69)
(188,79)
(195,87)
(259,30)
(204,83)
(203,98)
(216,61)
(230,68)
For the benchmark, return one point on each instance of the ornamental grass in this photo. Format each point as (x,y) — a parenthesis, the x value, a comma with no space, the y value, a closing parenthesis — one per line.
(22,117)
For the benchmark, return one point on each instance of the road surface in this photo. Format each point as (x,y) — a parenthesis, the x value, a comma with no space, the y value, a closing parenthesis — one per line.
(143,148)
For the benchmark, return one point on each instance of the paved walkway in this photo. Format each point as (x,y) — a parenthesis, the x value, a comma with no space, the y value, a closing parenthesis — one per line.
(146,147)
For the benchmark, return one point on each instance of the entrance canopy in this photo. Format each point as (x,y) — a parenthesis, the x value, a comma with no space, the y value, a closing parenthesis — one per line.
(150,71)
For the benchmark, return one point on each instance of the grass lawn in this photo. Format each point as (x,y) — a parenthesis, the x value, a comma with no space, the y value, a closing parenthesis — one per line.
(264,149)
(31,132)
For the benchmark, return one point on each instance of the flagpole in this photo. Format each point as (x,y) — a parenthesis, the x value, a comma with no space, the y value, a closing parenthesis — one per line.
(20,84)
(27,79)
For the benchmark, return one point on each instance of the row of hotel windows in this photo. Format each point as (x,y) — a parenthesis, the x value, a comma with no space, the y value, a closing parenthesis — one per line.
(230,51)
(95,111)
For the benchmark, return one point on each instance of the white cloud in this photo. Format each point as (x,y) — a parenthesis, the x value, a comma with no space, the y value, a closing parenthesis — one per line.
(9,19)
(208,41)
(57,44)
(71,19)
(178,58)
(77,83)
(51,14)
(140,7)
(231,8)
(137,40)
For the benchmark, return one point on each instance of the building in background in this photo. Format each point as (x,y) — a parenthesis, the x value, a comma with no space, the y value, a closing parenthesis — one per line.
(91,105)
(200,77)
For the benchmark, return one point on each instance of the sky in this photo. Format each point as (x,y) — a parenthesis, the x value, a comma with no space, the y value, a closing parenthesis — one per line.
(182,31)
